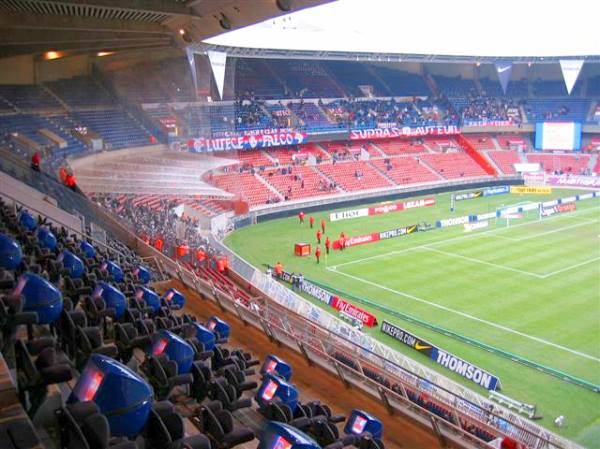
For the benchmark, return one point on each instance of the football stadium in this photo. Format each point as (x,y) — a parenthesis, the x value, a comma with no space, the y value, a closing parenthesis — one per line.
(299,224)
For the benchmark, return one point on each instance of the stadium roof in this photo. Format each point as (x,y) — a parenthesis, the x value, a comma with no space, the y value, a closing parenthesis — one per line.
(510,28)
(37,26)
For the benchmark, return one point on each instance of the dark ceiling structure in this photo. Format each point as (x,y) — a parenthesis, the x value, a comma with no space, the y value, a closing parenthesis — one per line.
(78,26)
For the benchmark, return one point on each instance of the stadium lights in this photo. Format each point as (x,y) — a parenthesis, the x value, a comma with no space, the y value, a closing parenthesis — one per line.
(181,31)
(104,53)
(53,54)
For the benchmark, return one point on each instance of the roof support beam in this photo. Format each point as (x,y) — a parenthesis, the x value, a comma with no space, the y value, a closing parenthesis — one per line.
(29,21)
(152,6)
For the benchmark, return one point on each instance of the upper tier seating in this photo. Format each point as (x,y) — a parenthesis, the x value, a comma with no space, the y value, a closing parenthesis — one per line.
(351,75)
(81,91)
(402,83)
(554,88)
(311,115)
(456,87)
(353,176)
(28,97)
(163,81)
(253,77)
(565,109)
(306,79)
(453,165)
(505,160)
(115,126)
(405,170)
(575,164)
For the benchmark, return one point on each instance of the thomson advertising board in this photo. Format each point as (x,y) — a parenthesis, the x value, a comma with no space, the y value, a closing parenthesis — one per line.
(447,360)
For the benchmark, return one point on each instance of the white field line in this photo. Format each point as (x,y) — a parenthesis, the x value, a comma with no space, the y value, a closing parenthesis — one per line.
(471,317)
(483,262)
(562,270)
(438,241)
(553,231)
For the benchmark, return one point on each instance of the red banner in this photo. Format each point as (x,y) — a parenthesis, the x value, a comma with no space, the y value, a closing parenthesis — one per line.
(381,209)
(355,312)
(406,131)
(386,208)
(357,240)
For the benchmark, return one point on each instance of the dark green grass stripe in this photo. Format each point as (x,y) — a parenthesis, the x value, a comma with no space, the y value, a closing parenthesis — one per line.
(471,341)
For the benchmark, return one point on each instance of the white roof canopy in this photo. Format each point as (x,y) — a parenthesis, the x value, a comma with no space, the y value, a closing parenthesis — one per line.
(507,28)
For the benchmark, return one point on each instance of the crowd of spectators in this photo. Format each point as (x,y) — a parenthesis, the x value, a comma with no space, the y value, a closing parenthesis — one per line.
(159,226)
(373,113)
(481,109)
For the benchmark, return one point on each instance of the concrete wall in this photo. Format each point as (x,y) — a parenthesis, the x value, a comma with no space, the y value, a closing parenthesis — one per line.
(17,70)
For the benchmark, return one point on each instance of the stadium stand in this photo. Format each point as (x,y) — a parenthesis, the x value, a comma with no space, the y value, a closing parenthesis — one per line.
(353,176)
(81,92)
(247,186)
(405,170)
(565,163)
(298,182)
(564,109)
(116,126)
(306,79)
(453,165)
(27,97)
(505,160)
(252,77)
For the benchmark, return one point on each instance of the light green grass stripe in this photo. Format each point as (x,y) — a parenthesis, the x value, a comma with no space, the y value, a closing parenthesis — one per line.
(514,357)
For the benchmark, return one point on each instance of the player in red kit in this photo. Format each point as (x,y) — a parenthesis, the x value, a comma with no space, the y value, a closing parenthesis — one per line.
(323,225)
(301,217)
(319,236)
(342,240)
(311,220)
(327,244)
(318,253)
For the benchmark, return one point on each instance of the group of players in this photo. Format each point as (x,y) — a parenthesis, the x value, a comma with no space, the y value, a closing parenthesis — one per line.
(319,234)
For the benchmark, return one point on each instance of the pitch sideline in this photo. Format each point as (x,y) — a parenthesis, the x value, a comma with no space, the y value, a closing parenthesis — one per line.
(466,315)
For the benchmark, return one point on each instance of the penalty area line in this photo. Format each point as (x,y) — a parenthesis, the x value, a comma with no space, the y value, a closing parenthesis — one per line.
(470,317)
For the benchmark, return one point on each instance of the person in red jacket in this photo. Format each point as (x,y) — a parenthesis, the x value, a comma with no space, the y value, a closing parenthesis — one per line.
(301,217)
(342,240)
(318,253)
(71,182)
(311,220)
(158,244)
(323,225)
(327,244)
(319,236)
(36,161)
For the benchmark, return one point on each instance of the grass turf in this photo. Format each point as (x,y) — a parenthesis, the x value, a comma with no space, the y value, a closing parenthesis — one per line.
(532,289)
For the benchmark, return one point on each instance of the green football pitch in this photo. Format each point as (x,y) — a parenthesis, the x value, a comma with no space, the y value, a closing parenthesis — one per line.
(529,287)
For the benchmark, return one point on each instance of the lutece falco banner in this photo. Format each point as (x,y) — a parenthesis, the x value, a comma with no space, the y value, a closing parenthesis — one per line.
(447,360)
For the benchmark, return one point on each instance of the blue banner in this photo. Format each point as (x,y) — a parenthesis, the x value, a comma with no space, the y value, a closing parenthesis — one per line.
(498,190)
(449,361)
